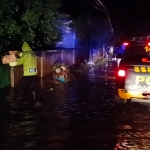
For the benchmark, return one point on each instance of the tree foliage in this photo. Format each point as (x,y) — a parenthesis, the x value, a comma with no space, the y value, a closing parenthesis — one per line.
(93,29)
(33,21)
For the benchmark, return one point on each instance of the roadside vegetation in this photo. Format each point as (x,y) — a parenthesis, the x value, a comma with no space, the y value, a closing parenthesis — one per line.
(35,22)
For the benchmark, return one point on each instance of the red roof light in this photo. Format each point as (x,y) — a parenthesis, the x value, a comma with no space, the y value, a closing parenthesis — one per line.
(125,44)
(148,43)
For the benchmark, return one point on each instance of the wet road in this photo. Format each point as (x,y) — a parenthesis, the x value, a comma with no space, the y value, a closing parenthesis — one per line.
(79,116)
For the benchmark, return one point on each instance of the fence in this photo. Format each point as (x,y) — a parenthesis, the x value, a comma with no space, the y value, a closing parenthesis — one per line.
(45,62)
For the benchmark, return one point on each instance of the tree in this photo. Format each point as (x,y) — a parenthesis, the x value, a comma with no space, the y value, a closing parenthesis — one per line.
(35,21)
(93,29)
(8,25)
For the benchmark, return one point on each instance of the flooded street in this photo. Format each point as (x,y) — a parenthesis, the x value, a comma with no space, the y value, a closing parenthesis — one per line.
(78,116)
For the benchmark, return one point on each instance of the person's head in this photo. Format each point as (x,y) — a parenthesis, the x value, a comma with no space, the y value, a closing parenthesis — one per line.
(26,47)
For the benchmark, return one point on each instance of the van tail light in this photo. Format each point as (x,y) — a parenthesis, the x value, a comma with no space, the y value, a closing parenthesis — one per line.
(121,73)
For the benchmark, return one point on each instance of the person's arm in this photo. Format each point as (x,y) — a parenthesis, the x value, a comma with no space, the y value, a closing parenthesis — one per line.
(18,62)
(13,64)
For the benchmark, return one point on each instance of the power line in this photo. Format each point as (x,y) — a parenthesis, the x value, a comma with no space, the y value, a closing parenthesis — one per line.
(99,3)
(94,6)
(100,6)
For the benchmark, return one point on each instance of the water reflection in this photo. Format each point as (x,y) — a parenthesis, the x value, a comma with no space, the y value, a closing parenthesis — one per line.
(79,116)
(70,115)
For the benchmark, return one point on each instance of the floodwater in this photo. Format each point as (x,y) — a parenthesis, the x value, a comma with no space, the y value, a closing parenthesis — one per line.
(78,116)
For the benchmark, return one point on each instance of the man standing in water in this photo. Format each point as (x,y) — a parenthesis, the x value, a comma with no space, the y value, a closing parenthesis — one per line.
(28,59)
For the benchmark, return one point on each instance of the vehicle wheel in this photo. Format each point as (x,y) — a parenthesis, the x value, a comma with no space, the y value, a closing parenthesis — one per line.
(119,100)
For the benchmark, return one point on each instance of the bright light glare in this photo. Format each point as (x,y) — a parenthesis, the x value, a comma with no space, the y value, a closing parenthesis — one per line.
(125,44)
(121,73)
(148,44)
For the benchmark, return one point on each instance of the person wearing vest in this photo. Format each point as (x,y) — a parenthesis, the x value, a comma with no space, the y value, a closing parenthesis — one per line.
(28,59)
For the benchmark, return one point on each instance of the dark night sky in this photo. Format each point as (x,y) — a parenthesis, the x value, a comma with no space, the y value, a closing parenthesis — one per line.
(132,16)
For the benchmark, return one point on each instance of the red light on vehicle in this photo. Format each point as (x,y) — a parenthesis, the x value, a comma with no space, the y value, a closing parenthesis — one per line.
(148,43)
(121,73)
(144,59)
(125,44)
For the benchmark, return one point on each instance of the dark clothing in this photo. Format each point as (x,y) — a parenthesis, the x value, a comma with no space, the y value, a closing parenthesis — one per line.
(28,59)
(28,84)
